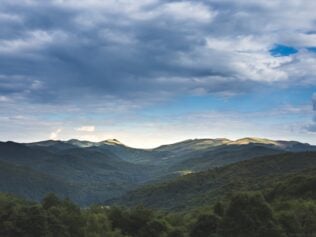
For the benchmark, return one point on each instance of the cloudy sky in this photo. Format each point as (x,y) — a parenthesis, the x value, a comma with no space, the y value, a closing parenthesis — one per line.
(149,72)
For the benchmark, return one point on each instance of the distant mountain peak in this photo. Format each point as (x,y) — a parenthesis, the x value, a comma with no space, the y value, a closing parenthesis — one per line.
(73,140)
(45,143)
(248,140)
(79,143)
(112,142)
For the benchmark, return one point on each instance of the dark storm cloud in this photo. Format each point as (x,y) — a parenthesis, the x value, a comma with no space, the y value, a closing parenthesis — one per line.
(56,51)
(106,57)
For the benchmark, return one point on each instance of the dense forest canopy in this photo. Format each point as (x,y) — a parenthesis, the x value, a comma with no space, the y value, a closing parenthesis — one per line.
(275,212)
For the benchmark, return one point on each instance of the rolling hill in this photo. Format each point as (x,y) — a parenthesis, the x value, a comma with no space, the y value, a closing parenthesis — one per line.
(92,172)
(194,190)
(96,176)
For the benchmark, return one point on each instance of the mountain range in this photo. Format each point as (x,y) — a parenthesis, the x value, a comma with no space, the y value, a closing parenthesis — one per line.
(111,172)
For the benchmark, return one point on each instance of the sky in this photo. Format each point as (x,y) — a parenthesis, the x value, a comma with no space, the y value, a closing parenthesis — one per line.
(152,72)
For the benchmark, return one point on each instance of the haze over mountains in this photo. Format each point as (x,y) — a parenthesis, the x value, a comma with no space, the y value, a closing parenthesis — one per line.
(102,172)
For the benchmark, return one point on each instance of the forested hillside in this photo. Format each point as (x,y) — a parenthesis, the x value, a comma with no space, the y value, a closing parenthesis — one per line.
(283,214)
(262,196)
(202,188)
(96,172)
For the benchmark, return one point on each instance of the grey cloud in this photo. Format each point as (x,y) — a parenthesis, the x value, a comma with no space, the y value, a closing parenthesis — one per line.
(312,126)
(128,51)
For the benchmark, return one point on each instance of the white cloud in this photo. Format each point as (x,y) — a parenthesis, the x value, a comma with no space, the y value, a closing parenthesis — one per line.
(54,135)
(86,129)
(31,40)
(188,10)
(4,17)
(4,99)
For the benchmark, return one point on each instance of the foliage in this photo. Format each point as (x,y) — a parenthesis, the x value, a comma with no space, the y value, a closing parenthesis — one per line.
(295,174)
(249,215)
(276,199)
(244,215)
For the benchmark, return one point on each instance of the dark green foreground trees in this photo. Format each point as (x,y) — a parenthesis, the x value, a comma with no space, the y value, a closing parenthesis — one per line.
(244,215)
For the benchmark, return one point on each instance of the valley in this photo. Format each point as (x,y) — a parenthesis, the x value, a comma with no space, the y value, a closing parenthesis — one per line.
(111,172)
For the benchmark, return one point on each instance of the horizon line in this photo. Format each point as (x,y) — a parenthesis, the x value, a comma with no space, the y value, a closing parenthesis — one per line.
(164,144)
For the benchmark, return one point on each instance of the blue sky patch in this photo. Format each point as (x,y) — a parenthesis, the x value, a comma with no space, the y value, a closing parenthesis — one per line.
(312,49)
(280,50)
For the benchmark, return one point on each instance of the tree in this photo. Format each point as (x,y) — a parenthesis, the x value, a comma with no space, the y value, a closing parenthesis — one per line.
(118,219)
(290,223)
(56,226)
(138,218)
(154,228)
(249,215)
(176,232)
(205,226)
(219,209)
(96,224)
(32,221)
(50,200)
(71,217)
(297,217)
